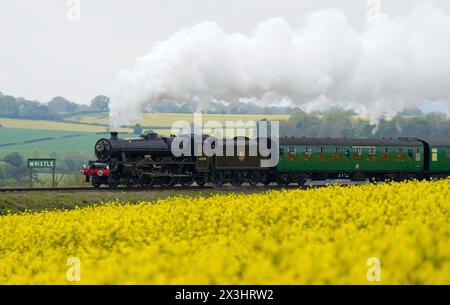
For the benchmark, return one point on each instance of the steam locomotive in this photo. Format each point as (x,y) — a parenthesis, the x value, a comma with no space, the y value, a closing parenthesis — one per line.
(149,160)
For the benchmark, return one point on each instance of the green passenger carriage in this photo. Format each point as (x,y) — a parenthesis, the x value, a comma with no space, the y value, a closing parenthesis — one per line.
(359,159)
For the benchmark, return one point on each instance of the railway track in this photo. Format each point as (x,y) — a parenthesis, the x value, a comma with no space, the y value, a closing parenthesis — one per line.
(151,189)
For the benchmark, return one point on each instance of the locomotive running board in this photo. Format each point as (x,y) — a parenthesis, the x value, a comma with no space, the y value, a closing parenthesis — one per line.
(156,174)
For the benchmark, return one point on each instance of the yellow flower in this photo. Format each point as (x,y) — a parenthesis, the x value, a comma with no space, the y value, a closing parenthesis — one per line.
(311,236)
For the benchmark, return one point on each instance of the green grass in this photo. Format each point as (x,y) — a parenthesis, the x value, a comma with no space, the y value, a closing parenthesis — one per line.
(14,135)
(79,142)
(49,125)
(39,201)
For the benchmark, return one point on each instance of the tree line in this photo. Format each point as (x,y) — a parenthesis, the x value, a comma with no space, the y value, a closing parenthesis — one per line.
(14,168)
(338,123)
(56,109)
(60,107)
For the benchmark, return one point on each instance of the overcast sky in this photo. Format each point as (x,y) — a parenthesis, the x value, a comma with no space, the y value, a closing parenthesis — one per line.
(45,54)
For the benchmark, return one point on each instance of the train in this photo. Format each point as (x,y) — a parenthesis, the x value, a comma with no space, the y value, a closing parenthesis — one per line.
(148,160)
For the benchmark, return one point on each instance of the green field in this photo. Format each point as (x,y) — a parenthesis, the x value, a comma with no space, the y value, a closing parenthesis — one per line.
(46,142)
(49,125)
(166,119)
(17,135)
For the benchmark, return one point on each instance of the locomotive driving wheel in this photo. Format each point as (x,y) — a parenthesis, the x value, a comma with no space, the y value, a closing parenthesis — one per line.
(264,178)
(167,169)
(131,182)
(217,179)
(236,179)
(253,178)
(146,181)
(186,169)
(200,179)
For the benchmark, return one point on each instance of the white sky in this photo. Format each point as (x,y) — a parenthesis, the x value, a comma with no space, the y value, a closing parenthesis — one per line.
(43,55)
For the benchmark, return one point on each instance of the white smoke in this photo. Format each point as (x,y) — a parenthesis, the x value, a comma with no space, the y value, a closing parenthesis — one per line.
(393,63)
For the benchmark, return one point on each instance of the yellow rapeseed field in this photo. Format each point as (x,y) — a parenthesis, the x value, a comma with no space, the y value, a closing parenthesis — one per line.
(319,236)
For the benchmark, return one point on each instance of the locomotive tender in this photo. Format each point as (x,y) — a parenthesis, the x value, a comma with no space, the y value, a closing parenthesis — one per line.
(148,160)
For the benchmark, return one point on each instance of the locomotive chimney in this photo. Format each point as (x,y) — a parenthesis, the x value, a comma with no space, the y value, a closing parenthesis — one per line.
(114,135)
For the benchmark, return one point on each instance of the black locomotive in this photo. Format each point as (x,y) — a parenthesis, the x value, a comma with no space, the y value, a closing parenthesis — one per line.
(149,160)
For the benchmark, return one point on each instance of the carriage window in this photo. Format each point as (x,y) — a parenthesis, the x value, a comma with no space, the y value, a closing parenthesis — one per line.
(292,149)
(308,149)
(386,150)
(373,150)
(336,149)
(400,150)
(418,155)
(434,154)
(410,154)
(321,149)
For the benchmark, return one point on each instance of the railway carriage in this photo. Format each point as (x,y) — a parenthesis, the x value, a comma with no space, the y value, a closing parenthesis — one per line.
(356,159)
(439,157)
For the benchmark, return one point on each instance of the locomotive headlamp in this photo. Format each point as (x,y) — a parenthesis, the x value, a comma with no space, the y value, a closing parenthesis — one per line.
(84,166)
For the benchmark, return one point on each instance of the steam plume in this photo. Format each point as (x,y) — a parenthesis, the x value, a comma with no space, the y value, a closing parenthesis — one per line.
(393,63)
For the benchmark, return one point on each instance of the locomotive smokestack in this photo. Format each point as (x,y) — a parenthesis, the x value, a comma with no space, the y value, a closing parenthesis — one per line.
(114,135)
